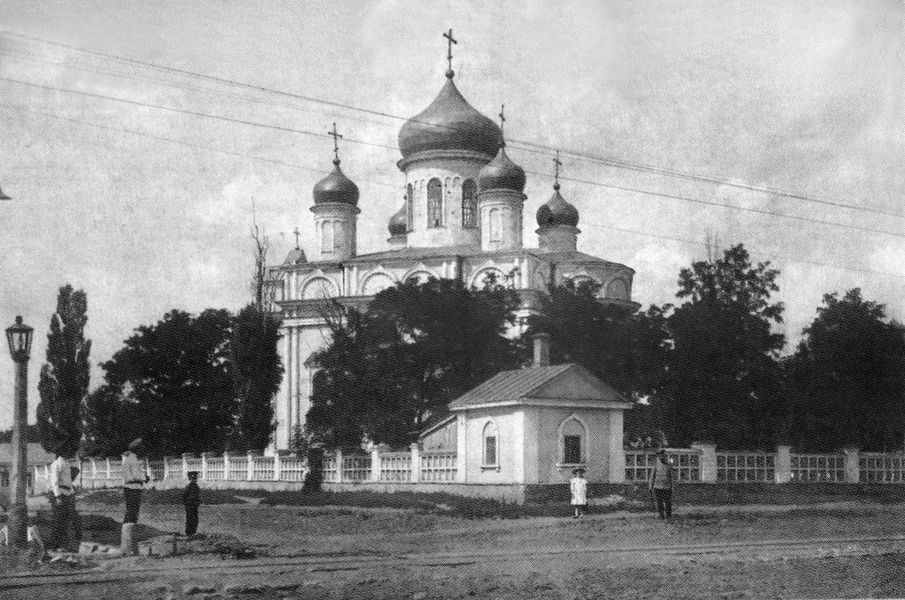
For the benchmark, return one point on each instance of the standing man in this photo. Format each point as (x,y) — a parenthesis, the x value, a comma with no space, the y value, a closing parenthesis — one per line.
(134,479)
(63,500)
(661,482)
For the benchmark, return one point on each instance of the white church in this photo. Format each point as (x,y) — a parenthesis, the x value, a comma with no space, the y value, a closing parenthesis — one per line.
(462,218)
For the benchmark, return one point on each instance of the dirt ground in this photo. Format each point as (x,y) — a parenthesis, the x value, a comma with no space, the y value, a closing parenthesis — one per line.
(843,550)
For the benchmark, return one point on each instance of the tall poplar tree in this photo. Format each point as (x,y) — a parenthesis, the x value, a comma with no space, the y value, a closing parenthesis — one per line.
(63,384)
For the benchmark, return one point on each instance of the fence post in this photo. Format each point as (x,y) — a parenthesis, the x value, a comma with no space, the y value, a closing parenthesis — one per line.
(375,465)
(338,461)
(782,469)
(852,464)
(107,475)
(204,457)
(276,466)
(185,464)
(250,467)
(166,468)
(93,473)
(708,460)
(416,462)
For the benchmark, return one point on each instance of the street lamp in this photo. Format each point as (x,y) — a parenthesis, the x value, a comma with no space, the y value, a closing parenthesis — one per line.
(19,338)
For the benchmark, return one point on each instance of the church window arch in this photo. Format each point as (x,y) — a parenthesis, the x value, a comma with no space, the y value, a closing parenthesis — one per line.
(318,288)
(409,207)
(434,203)
(496,224)
(490,445)
(327,237)
(376,283)
(469,204)
(573,440)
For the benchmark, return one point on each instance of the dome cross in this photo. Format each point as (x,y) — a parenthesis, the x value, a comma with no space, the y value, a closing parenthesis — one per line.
(502,120)
(450,40)
(297,234)
(556,165)
(336,137)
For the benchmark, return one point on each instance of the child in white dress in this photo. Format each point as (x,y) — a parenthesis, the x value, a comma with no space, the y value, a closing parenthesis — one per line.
(579,486)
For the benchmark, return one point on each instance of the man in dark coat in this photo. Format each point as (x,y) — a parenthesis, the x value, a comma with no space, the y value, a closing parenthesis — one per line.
(191,499)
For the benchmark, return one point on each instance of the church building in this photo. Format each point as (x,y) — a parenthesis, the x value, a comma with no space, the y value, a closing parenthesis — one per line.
(461,218)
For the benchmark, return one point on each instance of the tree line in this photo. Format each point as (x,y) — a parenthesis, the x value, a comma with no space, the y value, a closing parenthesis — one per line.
(709,367)
(185,384)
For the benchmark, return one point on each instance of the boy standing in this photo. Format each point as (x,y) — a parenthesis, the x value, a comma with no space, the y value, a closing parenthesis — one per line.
(579,486)
(191,498)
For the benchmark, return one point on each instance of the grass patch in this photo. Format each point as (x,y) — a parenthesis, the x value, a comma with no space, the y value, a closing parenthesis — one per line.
(158,497)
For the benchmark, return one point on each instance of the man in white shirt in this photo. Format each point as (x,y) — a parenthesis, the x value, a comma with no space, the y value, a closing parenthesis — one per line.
(63,499)
(134,478)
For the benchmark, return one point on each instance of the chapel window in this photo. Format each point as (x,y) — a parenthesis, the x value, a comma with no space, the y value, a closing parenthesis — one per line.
(409,207)
(434,203)
(573,441)
(469,204)
(491,458)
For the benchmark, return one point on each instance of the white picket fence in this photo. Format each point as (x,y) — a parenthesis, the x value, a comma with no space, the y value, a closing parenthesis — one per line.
(702,463)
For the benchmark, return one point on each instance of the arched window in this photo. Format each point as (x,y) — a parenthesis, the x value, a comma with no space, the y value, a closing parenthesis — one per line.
(469,204)
(617,289)
(339,231)
(434,203)
(496,224)
(327,237)
(491,447)
(409,207)
(572,440)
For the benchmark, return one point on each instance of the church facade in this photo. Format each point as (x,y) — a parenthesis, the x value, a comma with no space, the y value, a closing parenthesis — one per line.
(461,218)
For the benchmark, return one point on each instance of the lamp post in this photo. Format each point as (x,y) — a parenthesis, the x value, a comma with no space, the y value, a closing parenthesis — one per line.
(19,338)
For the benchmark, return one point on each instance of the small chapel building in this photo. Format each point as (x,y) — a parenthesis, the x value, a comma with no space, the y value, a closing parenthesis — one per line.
(461,218)
(534,426)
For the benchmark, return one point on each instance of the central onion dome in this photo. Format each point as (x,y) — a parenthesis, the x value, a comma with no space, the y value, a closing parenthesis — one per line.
(502,174)
(557,211)
(397,224)
(449,123)
(336,187)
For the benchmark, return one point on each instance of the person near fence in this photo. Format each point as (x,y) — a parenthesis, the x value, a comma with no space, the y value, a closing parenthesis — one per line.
(579,488)
(661,483)
(191,499)
(62,499)
(134,479)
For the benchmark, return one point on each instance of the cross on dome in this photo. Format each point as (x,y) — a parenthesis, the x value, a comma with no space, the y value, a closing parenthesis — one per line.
(503,124)
(556,165)
(450,40)
(336,138)
(296,232)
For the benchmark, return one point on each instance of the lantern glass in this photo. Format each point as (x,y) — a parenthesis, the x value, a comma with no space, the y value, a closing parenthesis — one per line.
(18,337)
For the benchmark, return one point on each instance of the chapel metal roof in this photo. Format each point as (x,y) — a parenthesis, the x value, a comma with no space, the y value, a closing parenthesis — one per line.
(512,386)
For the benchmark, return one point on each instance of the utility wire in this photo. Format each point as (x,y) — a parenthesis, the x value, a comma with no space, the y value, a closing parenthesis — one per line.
(186,144)
(352,140)
(769,255)
(530,146)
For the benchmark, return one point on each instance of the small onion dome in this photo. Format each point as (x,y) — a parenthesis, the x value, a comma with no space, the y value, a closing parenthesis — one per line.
(397,225)
(336,187)
(449,123)
(296,256)
(502,173)
(557,211)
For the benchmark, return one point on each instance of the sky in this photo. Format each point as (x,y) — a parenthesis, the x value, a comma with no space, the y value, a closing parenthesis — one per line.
(149,210)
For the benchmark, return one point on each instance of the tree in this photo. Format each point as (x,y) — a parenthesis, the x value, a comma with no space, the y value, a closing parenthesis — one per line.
(257,372)
(722,379)
(64,378)
(847,378)
(389,371)
(173,382)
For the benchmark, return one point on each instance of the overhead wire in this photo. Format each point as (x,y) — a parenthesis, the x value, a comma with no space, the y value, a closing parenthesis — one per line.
(528,145)
(769,255)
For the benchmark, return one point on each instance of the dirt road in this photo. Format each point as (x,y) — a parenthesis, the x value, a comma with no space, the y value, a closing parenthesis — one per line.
(845,551)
